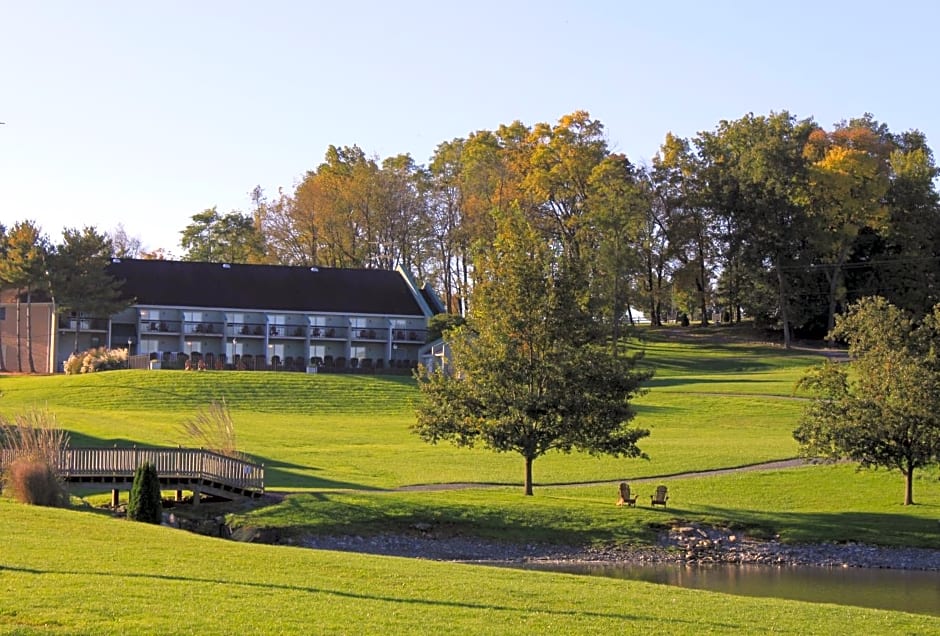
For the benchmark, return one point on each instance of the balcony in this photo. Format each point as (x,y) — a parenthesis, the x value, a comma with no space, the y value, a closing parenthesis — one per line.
(328,333)
(203,328)
(83,324)
(409,335)
(373,335)
(160,327)
(248,329)
(288,332)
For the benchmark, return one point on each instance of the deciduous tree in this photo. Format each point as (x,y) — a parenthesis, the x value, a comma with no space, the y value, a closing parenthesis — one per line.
(886,412)
(525,376)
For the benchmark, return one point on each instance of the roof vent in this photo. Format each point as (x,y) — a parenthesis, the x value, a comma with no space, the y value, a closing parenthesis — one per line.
(226,266)
(115,260)
(314,269)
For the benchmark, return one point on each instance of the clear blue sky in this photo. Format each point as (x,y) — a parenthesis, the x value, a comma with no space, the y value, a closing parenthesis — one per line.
(145,113)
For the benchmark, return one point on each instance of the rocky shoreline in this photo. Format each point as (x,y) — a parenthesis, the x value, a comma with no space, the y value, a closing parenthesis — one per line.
(692,544)
(680,545)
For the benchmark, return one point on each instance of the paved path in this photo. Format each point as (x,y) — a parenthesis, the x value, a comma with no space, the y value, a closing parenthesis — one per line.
(774,465)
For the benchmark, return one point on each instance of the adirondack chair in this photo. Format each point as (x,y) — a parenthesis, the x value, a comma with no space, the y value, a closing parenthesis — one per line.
(625,498)
(659,499)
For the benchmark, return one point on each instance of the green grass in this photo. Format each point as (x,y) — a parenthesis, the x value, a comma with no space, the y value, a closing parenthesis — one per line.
(79,573)
(322,431)
(807,504)
(343,444)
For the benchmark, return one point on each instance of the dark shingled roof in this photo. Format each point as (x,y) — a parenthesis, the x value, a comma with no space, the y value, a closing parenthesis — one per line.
(265,287)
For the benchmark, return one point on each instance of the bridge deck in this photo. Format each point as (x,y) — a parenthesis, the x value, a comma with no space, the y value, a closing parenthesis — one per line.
(179,468)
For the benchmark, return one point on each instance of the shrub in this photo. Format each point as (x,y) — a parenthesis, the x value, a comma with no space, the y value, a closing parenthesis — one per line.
(96,359)
(34,481)
(145,503)
(34,446)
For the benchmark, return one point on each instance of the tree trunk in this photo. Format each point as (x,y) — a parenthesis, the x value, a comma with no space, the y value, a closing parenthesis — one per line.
(3,366)
(19,336)
(909,486)
(703,284)
(784,307)
(29,329)
(78,328)
(528,476)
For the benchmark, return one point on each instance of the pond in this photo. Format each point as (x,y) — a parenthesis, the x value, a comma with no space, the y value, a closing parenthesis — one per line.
(902,590)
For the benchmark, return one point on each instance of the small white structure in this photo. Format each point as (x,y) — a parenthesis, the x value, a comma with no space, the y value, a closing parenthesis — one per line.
(638,317)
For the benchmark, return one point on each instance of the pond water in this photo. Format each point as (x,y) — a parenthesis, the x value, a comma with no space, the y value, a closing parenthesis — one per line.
(903,590)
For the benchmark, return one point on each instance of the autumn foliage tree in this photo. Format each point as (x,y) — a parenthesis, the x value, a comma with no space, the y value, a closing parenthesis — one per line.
(526,375)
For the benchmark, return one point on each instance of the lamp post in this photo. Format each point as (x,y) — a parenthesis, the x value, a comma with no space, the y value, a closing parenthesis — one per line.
(129,343)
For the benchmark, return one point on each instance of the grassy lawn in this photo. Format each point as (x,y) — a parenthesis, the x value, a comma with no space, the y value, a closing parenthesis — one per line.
(807,504)
(72,572)
(342,445)
(327,431)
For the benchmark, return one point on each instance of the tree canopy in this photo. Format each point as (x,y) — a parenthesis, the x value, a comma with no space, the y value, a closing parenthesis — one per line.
(774,217)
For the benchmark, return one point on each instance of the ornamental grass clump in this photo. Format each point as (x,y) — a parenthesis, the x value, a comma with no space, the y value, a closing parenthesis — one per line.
(31,447)
(213,429)
(145,503)
(94,360)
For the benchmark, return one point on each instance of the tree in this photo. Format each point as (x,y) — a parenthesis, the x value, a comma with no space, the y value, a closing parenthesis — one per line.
(80,279)
(145,502)
(222,238)
(123,245)
(756,171)
(845,194)
(618,205)
(886,413)
(24,268)
(3,285)
(525,376)
(676,174)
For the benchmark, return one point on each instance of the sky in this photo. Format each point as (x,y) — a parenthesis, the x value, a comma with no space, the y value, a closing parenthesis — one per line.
(145,113)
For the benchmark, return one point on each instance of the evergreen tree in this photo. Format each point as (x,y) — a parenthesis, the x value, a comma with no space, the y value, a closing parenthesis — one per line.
(80,279)
(145,503)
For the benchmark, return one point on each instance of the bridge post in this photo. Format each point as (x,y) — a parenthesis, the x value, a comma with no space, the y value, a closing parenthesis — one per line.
(179,495)
(196,494)
(115,497)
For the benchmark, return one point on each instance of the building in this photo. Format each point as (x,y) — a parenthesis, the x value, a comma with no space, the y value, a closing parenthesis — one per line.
(253,316)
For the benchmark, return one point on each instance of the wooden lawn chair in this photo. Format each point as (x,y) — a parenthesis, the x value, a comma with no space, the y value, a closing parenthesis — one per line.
(625,498)
(659,499)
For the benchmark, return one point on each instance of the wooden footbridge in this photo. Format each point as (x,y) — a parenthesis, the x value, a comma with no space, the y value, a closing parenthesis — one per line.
(200,471)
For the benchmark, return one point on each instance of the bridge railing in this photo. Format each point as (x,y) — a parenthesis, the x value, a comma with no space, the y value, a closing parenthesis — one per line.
(187,463)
